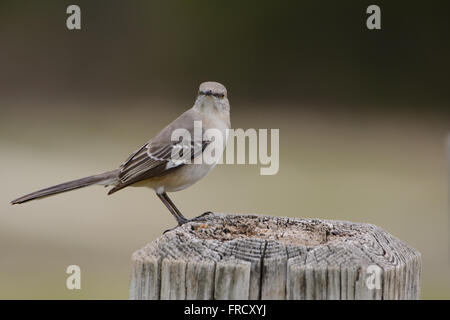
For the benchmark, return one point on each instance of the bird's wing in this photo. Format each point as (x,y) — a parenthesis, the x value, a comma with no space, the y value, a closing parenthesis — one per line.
(161,155)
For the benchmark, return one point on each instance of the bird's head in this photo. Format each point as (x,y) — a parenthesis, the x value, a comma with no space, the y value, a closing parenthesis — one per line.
(212,96)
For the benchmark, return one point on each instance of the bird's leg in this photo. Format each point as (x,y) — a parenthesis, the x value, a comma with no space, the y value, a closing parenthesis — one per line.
(176,213)
(172,208)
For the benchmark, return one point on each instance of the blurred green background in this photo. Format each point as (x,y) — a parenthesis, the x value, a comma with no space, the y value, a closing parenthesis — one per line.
(363,118)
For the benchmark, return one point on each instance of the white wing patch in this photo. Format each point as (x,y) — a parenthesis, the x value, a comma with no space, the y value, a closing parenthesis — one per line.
(155,160)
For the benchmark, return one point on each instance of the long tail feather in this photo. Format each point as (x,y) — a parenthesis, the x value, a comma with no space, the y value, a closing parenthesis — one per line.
(67,186)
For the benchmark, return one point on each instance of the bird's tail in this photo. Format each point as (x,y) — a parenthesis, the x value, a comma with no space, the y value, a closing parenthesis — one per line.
(103,178)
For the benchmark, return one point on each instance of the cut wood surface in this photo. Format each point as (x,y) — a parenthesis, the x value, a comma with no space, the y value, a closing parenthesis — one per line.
(224,256)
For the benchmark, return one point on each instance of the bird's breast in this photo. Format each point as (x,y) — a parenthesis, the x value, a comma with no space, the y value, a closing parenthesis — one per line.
(180,178)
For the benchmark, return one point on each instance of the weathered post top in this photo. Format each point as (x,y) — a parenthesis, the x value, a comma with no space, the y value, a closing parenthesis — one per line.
(224,256)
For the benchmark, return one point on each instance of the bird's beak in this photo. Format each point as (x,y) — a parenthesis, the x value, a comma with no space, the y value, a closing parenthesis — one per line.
(208,97)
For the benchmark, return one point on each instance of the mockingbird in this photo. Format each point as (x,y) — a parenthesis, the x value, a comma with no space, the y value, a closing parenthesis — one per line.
(153,165)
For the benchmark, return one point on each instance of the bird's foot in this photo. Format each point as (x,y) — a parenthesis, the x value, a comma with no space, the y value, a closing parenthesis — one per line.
(183,220)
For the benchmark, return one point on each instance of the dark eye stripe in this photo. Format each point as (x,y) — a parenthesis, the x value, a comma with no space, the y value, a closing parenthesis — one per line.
(217,95)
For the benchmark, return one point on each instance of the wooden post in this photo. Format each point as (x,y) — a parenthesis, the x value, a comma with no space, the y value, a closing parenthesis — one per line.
(262,257)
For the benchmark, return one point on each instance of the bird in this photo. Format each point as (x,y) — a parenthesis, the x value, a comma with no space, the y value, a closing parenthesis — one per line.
(155,166)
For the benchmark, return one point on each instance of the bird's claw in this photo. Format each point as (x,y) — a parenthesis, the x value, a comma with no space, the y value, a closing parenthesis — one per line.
(202,215)
(182,221)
